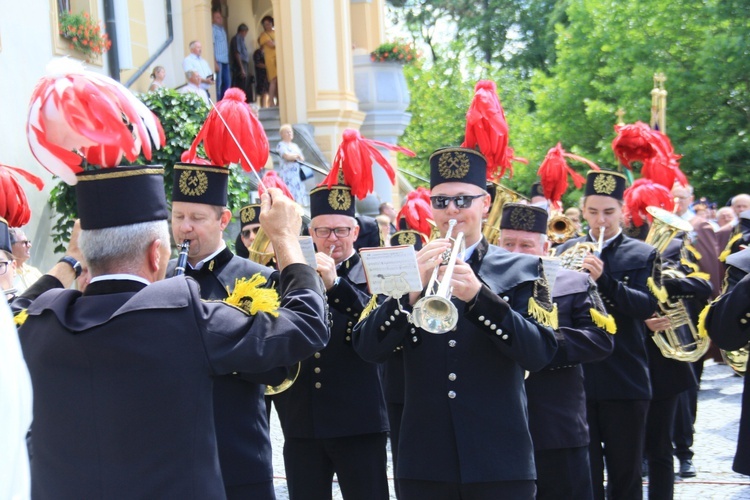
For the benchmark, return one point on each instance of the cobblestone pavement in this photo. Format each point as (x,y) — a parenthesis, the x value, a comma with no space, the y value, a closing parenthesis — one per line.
(719,402)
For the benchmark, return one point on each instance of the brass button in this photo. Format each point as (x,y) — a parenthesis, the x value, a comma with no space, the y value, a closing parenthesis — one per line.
(452,394)
(452,377)
(318,385)
(317,355)
(317,369)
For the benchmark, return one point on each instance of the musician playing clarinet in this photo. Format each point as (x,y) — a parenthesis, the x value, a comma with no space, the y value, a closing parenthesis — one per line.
(464,432)
(199,217)
(618,390)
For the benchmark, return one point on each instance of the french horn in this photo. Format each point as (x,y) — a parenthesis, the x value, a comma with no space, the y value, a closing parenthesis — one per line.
(560,229)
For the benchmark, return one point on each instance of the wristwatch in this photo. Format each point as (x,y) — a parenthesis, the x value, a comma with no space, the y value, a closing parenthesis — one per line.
(73,263)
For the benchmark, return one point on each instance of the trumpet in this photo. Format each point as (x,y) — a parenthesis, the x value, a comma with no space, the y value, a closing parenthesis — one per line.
(179,270)
(435,312)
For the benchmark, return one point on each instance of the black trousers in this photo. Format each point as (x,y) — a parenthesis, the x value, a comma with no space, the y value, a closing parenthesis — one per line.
(395,411)
(563,474)
(659,452)
(358,461)
(411,489)
(617,431)
(257,491)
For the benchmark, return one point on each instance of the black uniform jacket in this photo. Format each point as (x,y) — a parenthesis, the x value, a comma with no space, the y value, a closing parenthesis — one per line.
(628,264)
(557,399)
(123,381)
(242,430)
(337,393)
(727,324)
(465,404)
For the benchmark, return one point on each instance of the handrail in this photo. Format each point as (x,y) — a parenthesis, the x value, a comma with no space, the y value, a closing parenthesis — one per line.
(159,51)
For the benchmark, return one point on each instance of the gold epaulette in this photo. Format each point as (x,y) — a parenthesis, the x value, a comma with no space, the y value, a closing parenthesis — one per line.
(250,296)
(701,275)
(728,249)
(702,331)
(603,321)
(690,248)
(690,265)
(20,318)
(542,315)
(370,307)
(659,291)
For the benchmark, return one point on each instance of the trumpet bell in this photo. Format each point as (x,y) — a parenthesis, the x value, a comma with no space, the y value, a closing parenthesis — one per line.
(435,314)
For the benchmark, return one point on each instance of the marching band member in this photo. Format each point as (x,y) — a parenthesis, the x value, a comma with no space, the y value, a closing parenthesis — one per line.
(557,399)
(464,432)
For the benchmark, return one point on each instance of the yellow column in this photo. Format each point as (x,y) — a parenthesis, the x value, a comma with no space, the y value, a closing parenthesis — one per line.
(367,24)
(196,25)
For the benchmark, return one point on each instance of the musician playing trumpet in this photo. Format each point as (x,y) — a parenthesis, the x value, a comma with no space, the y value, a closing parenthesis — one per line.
(618,389)
(464,432)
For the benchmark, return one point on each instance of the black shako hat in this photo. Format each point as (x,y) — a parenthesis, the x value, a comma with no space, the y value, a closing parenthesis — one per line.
(536,190)
(250,214)
(605,183)
(121,196)
(407,237)
(524,218)
(458,165)
(206,184)
(338,200)
(5,243)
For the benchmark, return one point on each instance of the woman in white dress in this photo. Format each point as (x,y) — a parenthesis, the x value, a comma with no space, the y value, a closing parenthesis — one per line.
(289,169)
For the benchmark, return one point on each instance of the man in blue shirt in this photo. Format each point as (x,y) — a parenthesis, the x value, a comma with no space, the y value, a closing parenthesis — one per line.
(221,55)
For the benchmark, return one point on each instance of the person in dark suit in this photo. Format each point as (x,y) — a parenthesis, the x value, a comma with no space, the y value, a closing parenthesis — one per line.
(727,321)
(557,399)
(618,389)
(123,374)
(334,417)
(464,432)
(671,379)
(200,216)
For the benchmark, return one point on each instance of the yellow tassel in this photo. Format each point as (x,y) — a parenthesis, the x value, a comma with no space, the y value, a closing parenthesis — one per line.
(690,265)
(251,297)
(603,321)
(543,316)
(659,292)
(704,276)
(20,318)
(728,249)
(690,248)
(370,307)
(702,332)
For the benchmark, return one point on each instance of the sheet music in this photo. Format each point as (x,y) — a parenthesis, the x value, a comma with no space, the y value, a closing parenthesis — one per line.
(308,250)
(391,271)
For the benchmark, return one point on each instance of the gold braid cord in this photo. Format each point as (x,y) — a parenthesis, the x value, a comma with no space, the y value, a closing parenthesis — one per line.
(250,296)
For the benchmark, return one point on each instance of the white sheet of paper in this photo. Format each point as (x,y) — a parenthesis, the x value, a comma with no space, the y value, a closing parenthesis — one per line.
(308,250)
(391,271)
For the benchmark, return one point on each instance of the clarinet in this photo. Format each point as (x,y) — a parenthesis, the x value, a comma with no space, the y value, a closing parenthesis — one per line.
(182,258)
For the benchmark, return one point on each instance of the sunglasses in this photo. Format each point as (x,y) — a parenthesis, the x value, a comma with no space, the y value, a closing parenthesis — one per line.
(461,201)
(247,232)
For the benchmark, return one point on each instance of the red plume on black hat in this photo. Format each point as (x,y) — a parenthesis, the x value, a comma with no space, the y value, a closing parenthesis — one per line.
(417,211)
(639,142)
(554,172)
(14,207)
(645,193)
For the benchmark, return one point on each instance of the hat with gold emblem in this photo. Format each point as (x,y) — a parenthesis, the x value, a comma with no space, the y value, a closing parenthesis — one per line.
(605,183)
(336,200)
(250,214)
(198,183)
(524,218)
(536,190)
(458,165)
(106,197)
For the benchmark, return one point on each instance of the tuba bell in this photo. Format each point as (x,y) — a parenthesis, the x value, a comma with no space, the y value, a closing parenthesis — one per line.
(435,312)
(503,195)
(681,340)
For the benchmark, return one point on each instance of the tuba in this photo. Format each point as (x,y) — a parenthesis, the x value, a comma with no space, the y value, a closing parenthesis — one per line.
(503,195)
(560,229)
(258,249)
(435,312)
(681,340)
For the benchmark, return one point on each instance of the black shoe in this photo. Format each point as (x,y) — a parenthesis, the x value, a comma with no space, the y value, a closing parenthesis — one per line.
(687,469)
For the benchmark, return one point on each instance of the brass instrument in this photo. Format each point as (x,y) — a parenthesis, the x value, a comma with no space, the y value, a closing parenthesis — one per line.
(258,248)
(681,340)
(503,195)
(560,229)
(737,359)
(182,258)
(572,258)
(272,390)
(435,312)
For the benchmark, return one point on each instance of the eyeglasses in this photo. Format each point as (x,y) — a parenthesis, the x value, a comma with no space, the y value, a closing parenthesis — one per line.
(325,232)
(4,266)
(461,201)
(26,243)
(247,232)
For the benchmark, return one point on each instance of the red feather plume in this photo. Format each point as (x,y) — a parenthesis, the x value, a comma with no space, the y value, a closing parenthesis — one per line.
(354,159)
(638,142)
(417,211)
(554,172)
(220,147)
(14,207)
(272,180)
(487,128)
(77,115)
(646,193)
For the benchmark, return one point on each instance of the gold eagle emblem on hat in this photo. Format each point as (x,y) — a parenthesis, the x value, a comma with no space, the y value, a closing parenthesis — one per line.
(193,183)
(453,165)
(522,219)
(247,214)
(605,184)
(339,199)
